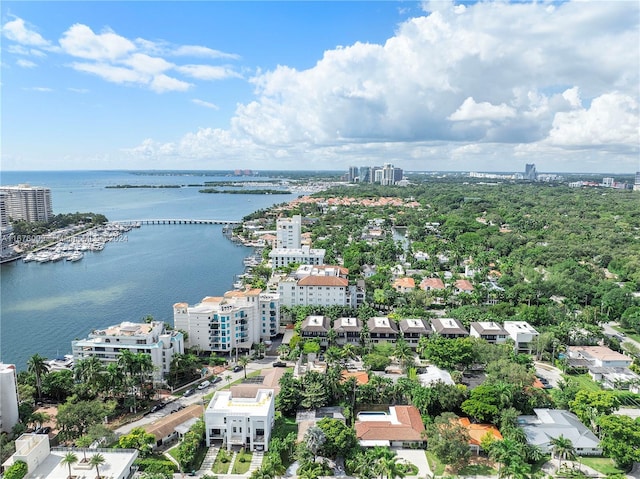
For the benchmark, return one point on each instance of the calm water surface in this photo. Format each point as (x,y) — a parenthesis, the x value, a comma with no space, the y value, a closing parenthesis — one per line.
(45,306)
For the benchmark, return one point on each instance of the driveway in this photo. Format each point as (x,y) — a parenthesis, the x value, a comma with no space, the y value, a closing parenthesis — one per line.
(416,457)
(550,373)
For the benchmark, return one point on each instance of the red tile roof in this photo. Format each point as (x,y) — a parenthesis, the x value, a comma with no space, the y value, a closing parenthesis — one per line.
(410,428)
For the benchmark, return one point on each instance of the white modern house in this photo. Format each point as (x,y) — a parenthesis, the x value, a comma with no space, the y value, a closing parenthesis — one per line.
(232,420)
(523,335)
(8,397)
(151,338)
(236,320)
(44,462)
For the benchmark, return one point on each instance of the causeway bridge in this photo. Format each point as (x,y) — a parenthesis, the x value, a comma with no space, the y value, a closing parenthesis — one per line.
(179,221)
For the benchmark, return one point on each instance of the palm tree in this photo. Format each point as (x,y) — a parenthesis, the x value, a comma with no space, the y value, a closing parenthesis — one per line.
(37,365)
(84,442)
(503,452)
(243,361)
(228,377)
(89,371)
(37,418)
(69,459)
(562,448)
(403,352)
(97,460)
(314,439)
(390,467)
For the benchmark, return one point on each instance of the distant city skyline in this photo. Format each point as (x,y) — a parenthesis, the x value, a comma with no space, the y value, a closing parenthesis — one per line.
(433,86)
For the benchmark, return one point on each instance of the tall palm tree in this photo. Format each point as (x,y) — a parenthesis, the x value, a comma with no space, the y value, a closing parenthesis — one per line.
(89,371)
(403,352)
(37,365)
(97,460)
(228,377)
(243,361)
(562,448)
(69,459)
(503,452)
(389,466)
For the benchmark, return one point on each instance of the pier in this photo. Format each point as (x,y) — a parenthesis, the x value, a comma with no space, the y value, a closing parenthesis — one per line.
(179,221)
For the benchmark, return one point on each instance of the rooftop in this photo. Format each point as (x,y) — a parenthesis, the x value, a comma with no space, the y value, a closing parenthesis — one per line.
(224,402)
(401,423)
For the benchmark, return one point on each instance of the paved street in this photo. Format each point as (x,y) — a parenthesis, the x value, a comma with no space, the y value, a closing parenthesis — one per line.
(608,329)
(550,373)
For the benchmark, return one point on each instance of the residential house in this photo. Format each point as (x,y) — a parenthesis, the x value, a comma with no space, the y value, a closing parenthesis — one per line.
(490,331)
(548,424)
(45,462)
(432,284)
(401,426)
(404,285)
(433,374)
(382,329)
(523,335)
(608,367)
(413,329)
(316,327)
(448,328)
(348,331)
(240,421)
(477,432)
(175,425)
(463,286)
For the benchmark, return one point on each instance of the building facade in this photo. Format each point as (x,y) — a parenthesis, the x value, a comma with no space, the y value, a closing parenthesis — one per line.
(288,231)
(149,338)
(28,203)
(523,335)
(304,255)
(232,420)
(234,321)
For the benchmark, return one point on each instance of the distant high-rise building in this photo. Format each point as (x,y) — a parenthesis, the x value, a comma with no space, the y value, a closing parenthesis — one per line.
(28,203)
(608,182)
(4,213)
(398,174)
(354,174)
(530,172)
(636,185)
(364,174)
(387,175)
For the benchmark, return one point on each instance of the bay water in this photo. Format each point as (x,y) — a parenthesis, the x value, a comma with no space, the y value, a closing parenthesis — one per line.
(43,307)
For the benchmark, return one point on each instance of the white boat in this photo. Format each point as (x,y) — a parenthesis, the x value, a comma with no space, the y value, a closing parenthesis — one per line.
(29,257)
(75,256)
(56,257)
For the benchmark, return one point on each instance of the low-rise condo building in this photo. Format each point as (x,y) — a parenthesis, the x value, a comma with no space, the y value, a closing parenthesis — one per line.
(348,331)
(413,329)
(149,338)
(449,328)
(490,331)
(382,329)
(236,320)
(233,420)
(304,255)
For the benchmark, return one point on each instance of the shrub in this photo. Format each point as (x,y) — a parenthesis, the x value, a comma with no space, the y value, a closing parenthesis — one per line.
(154,465)
(16,471)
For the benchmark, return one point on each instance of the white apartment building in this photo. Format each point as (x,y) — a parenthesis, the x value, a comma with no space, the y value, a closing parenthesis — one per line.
(8,397)
(303,255)
(522,334)
(45,462)
(226,323)
(316,285)
(233,420)
(288,232)
(5,226)
(28,203)
(150,338)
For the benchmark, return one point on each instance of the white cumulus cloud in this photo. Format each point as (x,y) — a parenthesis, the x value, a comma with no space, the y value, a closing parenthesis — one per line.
(80,41)
(470,110)
(17,30)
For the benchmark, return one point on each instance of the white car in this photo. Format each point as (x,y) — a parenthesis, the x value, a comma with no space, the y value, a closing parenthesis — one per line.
(204,385)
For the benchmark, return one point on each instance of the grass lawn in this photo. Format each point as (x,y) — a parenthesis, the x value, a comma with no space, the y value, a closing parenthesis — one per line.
(200,453)
(477,470)
(242,462)
(437,468)
(249,375)
(220,467)
(584,381)
(283,426)
(601,464)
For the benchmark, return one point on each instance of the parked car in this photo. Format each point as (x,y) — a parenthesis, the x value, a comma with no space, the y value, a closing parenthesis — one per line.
(215,380)
(204,385)
(44,430)
(237,369)
(279,364)
(188,392)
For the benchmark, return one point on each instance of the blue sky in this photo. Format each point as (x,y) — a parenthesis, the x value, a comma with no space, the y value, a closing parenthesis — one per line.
(320,85)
